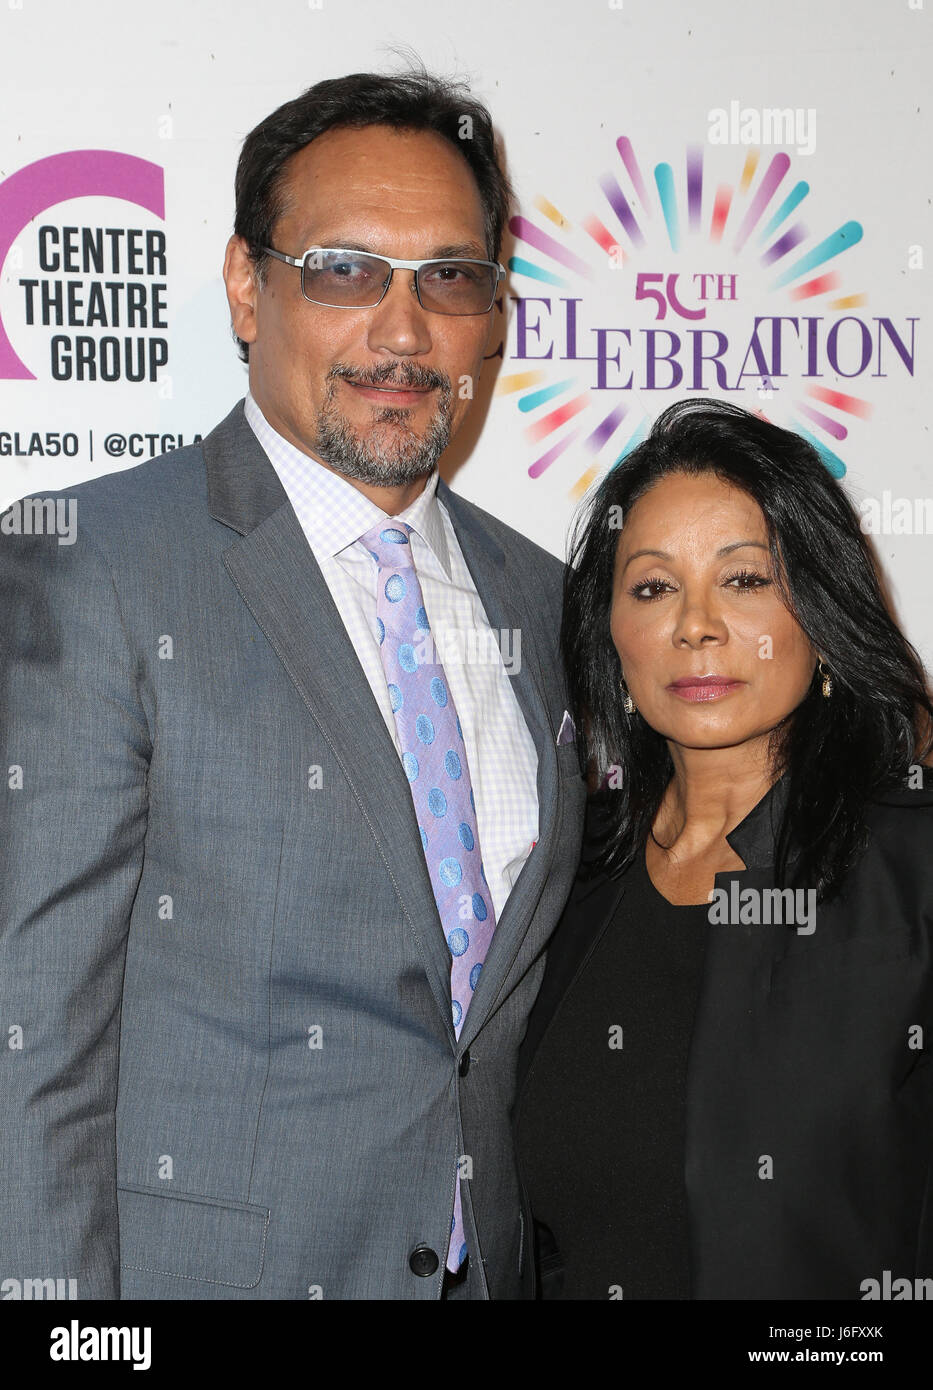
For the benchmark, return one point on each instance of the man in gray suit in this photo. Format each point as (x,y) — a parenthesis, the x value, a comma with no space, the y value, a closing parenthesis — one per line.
(261,996)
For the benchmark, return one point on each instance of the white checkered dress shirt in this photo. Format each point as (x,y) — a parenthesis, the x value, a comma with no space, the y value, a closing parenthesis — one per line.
(502,756)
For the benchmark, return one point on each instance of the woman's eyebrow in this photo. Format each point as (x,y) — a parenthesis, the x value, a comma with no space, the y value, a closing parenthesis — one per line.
(723,550)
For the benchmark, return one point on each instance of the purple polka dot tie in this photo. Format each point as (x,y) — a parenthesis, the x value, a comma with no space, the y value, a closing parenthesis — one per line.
(435,762)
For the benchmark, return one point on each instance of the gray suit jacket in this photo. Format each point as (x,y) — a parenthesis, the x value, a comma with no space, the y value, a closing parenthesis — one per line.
(229,1068)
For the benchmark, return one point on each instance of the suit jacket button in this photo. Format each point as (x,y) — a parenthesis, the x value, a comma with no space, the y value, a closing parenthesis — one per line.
(423,1261)
(465,1063)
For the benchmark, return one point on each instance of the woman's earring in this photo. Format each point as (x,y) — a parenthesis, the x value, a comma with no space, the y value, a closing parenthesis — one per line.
(628,704)
(827,679)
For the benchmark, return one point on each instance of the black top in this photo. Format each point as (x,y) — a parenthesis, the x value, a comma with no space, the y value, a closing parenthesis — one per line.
(808,1147)
(601,1127)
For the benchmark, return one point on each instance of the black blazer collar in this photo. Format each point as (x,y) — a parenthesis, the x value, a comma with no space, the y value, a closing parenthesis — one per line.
(754,839)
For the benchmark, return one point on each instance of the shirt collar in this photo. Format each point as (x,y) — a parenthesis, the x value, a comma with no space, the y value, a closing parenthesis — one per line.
(333,513)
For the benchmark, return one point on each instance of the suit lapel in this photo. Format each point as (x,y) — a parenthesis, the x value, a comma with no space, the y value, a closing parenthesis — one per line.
(280,581)
(509,607)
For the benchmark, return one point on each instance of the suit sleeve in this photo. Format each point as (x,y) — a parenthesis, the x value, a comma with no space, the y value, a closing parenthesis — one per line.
(74,757)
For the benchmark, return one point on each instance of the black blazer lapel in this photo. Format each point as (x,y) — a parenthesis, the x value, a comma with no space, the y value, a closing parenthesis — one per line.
(590,908)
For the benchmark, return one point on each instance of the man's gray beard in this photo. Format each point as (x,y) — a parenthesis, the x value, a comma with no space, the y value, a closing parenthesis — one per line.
(409,459)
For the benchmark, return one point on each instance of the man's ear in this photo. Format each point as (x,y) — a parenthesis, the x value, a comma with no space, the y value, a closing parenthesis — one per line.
(242,289)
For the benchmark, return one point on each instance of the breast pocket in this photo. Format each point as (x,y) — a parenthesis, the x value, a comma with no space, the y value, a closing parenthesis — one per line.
(192,1237)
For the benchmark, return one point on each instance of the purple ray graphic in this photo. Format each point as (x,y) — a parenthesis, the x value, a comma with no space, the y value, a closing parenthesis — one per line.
(833,427)
(75,174)
(533,236)
(546,459)
(624,146)
(607,427)
(619,204)
(787,242)
(766,190)
(694,187)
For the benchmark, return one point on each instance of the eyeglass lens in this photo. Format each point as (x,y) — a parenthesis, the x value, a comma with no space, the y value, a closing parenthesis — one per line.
(356,280)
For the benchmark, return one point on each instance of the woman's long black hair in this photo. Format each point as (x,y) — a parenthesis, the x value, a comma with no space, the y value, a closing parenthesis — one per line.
(836,752)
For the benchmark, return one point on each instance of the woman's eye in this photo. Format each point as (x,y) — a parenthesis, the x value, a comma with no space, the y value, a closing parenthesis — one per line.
(741,581)
(648,589)
(747,579)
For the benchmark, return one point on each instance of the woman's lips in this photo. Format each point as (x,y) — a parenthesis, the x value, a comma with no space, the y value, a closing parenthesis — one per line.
(701,689)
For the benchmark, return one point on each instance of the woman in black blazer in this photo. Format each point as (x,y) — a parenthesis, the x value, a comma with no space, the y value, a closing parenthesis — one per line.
(725,1089)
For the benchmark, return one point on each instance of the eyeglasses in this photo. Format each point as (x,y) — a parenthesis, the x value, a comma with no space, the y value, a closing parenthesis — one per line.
(344,279)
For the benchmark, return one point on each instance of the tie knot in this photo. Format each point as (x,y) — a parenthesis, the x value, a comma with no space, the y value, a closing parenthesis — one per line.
(388,544)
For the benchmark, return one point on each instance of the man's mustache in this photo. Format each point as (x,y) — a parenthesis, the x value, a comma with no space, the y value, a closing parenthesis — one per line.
(394,374)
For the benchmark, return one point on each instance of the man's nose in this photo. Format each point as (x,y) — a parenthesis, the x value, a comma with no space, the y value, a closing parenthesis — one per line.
(398,321)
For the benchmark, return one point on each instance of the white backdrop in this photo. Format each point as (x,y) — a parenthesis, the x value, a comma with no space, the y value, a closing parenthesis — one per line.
(814,221)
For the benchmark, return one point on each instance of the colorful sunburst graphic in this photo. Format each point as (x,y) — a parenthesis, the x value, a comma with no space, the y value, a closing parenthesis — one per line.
(661,259)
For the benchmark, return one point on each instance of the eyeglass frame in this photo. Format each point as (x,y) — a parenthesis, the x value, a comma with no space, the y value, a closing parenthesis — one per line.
(394,264)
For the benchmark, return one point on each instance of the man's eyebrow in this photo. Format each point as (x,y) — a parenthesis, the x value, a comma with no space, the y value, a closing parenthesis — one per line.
(723,550)
(468,249)
(461,248)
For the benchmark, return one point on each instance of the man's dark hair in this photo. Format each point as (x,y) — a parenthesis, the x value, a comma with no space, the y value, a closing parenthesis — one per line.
(413,100)
(837,753)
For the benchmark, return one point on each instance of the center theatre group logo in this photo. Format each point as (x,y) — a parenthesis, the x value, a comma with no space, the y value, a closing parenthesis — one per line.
(721,291)
(102,287)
